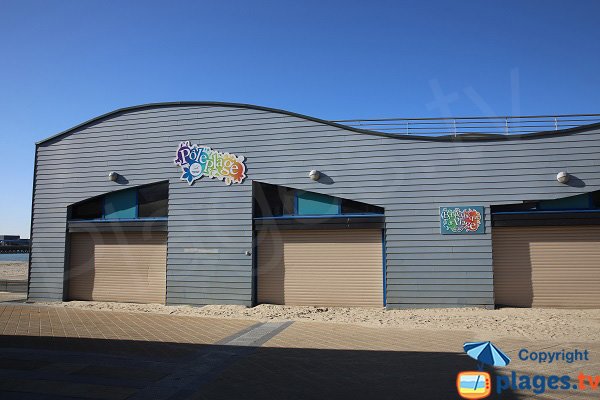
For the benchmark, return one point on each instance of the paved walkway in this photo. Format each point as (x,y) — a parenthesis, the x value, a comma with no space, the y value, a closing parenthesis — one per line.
(59,353)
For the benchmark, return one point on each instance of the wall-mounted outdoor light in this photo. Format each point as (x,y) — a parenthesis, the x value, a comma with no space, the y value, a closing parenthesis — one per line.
(563,177)
(113,176)
(314,175)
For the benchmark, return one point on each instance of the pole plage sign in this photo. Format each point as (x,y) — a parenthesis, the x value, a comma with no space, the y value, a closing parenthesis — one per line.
(198,161)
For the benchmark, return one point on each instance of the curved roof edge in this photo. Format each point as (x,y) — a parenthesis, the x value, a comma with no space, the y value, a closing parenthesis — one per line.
(446,138)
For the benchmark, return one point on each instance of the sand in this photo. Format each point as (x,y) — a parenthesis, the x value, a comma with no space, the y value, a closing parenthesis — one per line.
(13,270)
(533,324)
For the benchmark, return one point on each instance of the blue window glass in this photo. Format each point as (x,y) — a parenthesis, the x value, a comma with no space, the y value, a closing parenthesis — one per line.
(317,204)
(120,205)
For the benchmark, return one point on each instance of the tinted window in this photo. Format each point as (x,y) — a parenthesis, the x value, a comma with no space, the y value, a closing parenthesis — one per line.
(356,207)
(120,205)
(310,203)
(153,201)
(89,209)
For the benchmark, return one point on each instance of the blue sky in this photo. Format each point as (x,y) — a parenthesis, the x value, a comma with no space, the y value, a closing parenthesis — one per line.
(64,62)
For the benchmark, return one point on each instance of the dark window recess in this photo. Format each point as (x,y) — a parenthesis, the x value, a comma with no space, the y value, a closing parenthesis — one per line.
(525,206)
(579,202)
(153,201)
(595,199)
(586,201)
(88,209)
(272,200)
(356,207)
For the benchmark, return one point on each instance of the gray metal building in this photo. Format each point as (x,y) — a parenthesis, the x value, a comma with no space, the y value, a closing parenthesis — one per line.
(388,219)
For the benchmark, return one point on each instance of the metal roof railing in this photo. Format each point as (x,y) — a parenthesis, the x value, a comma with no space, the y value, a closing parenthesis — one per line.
(475,126)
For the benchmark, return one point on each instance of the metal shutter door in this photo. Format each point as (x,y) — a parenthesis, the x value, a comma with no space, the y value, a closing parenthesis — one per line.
(547,266)
(126,267)
(321,267)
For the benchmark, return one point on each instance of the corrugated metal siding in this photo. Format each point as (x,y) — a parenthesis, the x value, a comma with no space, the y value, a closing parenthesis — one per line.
(409,178)
(321,267)
(547,266)
(126,267)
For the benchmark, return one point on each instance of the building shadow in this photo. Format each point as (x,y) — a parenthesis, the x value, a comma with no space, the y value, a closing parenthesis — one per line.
(47,367)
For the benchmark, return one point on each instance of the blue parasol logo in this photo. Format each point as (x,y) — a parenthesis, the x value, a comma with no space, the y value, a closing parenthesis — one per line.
(486,353)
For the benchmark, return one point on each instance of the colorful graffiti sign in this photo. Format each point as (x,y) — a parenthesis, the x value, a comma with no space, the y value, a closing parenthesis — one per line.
(462,220)
(198,161)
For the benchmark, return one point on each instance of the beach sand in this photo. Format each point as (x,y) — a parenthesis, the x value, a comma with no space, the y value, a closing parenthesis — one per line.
(13,270)
(533,324)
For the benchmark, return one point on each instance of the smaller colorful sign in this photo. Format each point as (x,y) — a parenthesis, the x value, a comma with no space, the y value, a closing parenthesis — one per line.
(462,220)
(198,161)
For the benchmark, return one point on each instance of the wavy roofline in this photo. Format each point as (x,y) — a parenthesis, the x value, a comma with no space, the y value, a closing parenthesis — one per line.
(444,138)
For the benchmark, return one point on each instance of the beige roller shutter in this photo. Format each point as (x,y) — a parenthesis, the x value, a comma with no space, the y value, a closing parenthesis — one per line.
(126,267)
(547,266)
(321,267)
